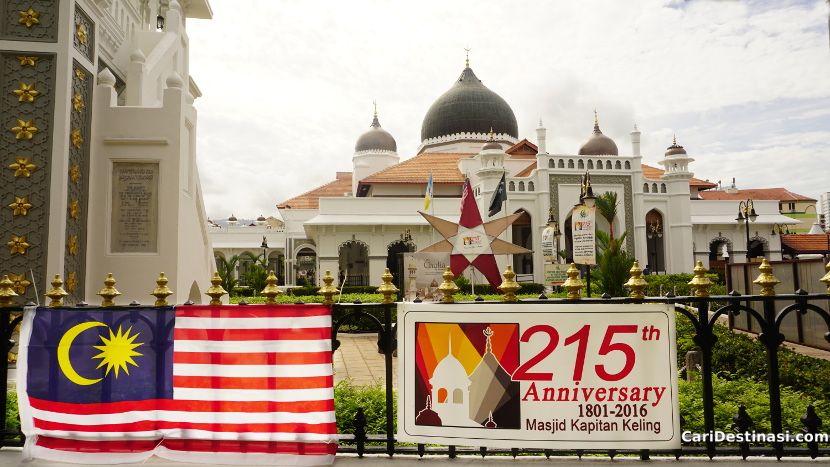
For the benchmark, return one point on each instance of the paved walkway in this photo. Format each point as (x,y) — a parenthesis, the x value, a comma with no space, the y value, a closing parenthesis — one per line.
(358,360)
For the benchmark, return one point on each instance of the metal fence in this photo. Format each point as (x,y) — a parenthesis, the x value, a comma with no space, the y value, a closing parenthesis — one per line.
(702,312)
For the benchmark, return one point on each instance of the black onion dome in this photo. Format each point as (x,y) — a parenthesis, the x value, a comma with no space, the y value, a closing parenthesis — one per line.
(376,139)
(675,148)
(599,144)
(232,218)
(469,107)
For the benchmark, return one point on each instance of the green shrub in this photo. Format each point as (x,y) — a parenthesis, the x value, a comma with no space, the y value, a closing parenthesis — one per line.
(347,399)
(12,412)
(678,284)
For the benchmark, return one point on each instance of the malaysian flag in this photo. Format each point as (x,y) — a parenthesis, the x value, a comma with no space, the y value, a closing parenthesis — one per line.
(213,384)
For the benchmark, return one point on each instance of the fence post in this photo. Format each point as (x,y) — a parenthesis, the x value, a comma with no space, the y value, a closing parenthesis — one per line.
(705,339)
(772,339)
(360,431)
(387,355)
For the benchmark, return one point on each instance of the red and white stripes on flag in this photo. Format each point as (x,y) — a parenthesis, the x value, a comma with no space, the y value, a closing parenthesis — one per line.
(251,385)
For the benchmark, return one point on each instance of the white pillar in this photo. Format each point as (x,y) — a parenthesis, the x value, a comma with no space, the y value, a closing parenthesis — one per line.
(635,141)
(541,136)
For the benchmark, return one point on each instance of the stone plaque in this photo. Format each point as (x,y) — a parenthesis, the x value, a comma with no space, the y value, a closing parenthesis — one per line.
(134,224)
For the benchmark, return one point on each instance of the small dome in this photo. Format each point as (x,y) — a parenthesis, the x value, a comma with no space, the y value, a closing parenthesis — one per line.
(232,218)
(598,144)
(491,143)
(469,107)
(675,148)
(376,139)
(261,218)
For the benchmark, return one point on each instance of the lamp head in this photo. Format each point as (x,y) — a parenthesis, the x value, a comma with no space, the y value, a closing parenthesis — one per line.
(160,22)
(753,215)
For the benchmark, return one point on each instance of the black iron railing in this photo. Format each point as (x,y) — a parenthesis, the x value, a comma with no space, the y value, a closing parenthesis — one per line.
(702,312)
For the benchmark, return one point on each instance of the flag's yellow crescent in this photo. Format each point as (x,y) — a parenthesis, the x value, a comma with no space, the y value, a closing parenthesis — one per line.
(63,353)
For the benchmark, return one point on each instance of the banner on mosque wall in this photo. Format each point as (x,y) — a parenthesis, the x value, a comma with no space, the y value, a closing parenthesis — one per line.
(587,376)
(583,235)
(422,275)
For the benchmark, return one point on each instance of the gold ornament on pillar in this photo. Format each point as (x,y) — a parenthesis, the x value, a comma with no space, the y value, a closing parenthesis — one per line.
(109,292)
(76,138)
(826,277)
(20,206)
(75,173)
(7,292)
(74,209)
(636,283)
(21,283)
(29,17)
(72,245)
(700,283)
(81,33)
(23,167)
(573,284)
(328,290)
(56,293)
(25,129)
(72,281)
(766,280)
(448,287)
(26,60)
(18,245)
(271,291)
(80,74)
(215,291)
(161,292)
(509,286)
(78,103)
(387,289)
(26,92)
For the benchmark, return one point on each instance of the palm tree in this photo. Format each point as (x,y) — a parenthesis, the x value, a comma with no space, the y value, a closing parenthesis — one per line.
(613,263)
(607,207)
(226,268)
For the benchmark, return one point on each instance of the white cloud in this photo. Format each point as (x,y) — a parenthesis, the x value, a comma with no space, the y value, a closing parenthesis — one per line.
(288,86)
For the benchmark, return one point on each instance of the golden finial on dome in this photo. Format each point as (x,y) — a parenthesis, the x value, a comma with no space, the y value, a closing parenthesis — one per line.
(375,103)
(467,60)
(596,117)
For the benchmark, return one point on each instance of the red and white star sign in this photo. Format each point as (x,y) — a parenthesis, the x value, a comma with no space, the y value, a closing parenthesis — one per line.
(470,241)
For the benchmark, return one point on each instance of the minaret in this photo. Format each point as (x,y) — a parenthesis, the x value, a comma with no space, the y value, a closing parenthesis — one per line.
(491,159)
(635,141)
(676,162)
(374,151)
(541,136)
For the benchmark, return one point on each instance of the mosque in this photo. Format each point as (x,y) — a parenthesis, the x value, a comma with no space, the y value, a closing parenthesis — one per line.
(357,224)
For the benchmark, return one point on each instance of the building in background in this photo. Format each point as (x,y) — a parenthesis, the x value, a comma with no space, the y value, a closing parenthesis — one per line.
(824,210)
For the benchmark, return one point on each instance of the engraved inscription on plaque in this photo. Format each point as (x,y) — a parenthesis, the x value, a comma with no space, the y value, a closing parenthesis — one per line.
(134,224)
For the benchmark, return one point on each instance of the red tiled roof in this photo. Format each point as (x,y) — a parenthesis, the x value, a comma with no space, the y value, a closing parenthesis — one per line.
(653,173)
(777,194)
(524,149)
(311,199)
(806,243)
(442,166)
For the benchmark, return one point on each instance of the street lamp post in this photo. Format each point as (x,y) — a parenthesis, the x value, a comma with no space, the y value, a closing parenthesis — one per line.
(587,198)
(746,213)
(264,247)
(654,232)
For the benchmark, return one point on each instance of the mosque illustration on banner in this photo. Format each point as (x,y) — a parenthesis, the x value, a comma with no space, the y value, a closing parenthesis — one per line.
(463,375)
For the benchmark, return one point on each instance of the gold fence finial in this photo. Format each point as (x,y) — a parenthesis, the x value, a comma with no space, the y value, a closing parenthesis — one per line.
(700,283)
(215,291)
(7,292)
(766,280)
(509,286)
(826,277)
(271,291)
(573,284)
(56,293)
(109,292)
(448,287)
(328,290)
(636,283)
(161,292)
(387,289)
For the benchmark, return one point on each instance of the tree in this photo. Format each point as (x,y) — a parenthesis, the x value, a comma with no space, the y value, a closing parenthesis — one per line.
(613,263)
(257,272)
(226,269)
(607,207)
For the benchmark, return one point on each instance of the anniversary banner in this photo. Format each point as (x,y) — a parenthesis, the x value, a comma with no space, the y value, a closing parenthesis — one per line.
(587,376)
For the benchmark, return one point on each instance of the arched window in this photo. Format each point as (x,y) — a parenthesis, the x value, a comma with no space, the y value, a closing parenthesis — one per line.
(627,165)
(645,187)
(570,163)
(581,164)
(618,165)
(442,395)
(512,186)
(551,164)
(655,249)
(561,164)
(457,396)
(607,165)
(522,230)
(590,165)
(530,186)
(654,188)
(662,188)
(521,186)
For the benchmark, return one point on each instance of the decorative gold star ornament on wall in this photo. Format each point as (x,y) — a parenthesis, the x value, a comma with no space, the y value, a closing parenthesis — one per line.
(74,209)
(81,33)
(23,167)
(25,129)
(21,284)
(71,281)
(18,245)
(80,74)
(26,92)
(27,60)
(75,173)
(72,245)
(29,17)
(20,206)
(78,103)
(76,138)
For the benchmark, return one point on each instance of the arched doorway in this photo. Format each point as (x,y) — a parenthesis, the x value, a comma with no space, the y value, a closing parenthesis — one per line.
(720,250)
(306,267)
(276,260)
(353,261)
(655,242)
(757,248)
(394,257)
(566,230)
(523,236)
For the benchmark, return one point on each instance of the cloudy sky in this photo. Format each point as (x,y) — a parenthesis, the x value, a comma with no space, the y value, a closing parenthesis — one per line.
(288,85)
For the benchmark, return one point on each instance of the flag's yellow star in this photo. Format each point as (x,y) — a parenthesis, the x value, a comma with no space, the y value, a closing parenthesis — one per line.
(78,102)
(72,245)
(29,17)
(75,173)
(25,129)
(27,60)
(20,206)
(71,281)
(21,284)
(76,138)
(81,33)
(18,245)
(74,209)
(118,351)
(23,167)
(26,92)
